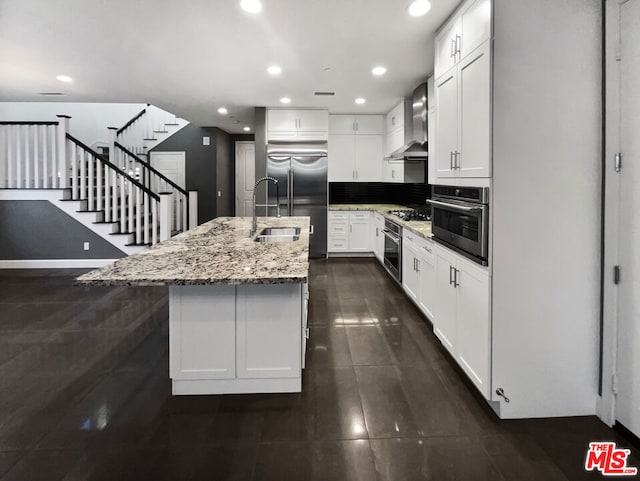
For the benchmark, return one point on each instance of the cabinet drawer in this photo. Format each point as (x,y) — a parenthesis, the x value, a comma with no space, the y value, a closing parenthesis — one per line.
(338,215)
(360,215)
(338,244)
(338,228)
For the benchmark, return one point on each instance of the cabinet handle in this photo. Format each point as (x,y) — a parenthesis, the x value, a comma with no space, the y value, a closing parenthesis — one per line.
(458,46)
(377,232)
(453,48)
(455,277)
(393,174)
(311,230)
(457,164)
(451,166)
(350,228)
(427,249)
(393,120)
(450,275)
(417,265)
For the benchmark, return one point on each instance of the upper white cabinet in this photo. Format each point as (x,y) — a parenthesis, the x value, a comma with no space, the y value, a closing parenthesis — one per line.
(467,30)
(355,148)
(394,128)
(356,124)
(463,117)
(283,124)
(461,314)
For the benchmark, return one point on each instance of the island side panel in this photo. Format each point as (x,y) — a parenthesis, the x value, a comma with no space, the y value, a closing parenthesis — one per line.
(202,332)
(269,331)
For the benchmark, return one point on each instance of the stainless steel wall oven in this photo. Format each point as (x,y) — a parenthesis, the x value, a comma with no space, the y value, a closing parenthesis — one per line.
(460,220)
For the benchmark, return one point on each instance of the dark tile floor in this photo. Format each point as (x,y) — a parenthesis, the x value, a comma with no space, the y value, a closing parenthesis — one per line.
(85,395)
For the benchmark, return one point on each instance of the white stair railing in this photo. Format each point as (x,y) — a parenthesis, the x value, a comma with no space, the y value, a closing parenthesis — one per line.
(109,189)
(149,125)
(29,155)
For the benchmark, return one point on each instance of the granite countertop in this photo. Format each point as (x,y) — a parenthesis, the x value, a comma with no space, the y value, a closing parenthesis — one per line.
(419,227)
(217,252)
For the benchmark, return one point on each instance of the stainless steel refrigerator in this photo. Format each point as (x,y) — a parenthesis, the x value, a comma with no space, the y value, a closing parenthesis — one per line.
(301,172)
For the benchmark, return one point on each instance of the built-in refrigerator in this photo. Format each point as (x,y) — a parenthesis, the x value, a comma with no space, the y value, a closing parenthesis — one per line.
(301,172)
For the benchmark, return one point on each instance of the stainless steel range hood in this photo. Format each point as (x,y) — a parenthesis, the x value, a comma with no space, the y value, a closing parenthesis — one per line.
(415,129)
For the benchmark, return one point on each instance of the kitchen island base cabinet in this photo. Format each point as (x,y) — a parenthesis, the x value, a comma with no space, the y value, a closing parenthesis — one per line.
(227,339)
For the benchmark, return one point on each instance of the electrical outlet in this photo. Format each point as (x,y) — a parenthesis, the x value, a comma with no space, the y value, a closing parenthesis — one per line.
(86,246)
(206,141)
(219,193)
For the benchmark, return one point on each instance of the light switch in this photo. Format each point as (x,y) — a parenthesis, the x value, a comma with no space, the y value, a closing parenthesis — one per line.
(86,246)
(206,140)
(219,193)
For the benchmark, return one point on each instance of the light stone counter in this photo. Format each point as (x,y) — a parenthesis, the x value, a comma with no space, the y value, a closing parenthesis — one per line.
(419,227)
(217,252)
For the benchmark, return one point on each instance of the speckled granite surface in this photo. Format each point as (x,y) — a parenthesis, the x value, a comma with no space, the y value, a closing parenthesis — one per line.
(217,252)
(421,228)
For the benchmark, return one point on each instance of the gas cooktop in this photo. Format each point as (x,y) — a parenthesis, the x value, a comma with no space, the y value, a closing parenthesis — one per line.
(410,214)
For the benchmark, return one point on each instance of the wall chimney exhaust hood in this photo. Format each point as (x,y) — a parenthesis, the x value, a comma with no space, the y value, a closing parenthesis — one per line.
(415,129)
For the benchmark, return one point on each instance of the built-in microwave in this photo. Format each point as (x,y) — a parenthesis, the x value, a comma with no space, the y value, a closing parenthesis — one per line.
(460,220)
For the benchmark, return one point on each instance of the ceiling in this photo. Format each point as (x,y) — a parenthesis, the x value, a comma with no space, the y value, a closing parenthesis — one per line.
(191,57)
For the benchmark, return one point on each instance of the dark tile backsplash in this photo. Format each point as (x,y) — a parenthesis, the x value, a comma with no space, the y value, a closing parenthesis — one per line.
(411,195)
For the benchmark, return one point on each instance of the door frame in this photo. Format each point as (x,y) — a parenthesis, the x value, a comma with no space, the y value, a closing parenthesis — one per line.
(606,405)
(238,143)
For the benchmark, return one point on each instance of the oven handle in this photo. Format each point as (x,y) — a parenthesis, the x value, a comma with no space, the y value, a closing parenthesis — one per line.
(447,205)
(390,234)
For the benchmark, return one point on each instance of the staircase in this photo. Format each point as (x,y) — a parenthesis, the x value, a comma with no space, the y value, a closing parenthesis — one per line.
(122,198)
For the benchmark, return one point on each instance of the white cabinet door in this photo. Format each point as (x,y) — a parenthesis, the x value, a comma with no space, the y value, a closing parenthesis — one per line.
(369,124)
(475,114)
(342,154)
(427,271)
(474,333)
(368,158)
(378,220)
(394,119)
(445,47)
(395,140)
(431,129)
(393,171)
(312,123)
(447,123)
(282,123)
(475,25)
(269,323)
(445,300)
(202,328)
(410,275)
(359,232)
(342,124)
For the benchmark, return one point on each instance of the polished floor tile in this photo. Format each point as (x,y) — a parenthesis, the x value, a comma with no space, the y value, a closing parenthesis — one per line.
(85,395)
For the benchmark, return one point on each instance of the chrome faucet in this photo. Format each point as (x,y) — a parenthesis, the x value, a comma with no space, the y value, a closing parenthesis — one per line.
(254,226)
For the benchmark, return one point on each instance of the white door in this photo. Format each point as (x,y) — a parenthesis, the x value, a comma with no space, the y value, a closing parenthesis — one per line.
(342,151)
(172,165)
(475,113)
(446,123)
(368,158)
(245,177)
(473,335)
(445,302)
(628,363)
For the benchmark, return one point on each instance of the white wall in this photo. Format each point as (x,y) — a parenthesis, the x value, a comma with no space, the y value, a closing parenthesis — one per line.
(546,205)
(89,121)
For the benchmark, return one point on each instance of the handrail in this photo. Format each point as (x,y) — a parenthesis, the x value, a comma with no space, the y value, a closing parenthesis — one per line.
(122,129)
(44,122)
(148,166)
(114,167)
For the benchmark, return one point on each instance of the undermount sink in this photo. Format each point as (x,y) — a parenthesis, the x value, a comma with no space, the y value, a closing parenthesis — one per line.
(278,234)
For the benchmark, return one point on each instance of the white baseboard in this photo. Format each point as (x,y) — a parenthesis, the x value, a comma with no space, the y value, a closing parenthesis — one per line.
(54,263)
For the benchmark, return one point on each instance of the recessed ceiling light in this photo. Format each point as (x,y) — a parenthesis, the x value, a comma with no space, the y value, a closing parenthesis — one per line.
(378,71)
(223,110)
(285,100)
(64,78)
(419,8)
(251,6)
(274,70)
(247,129)
(360,100)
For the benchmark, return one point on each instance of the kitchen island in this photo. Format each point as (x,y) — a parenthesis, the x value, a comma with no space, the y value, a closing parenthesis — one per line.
(237,307)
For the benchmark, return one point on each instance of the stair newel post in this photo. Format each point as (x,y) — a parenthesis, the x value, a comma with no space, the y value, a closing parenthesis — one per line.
(193,209)
(63,152)
(166,215)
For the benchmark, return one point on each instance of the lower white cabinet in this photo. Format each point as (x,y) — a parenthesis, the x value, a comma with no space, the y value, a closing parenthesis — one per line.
(418,273)
(349,231)
(377,237)
(461,314)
